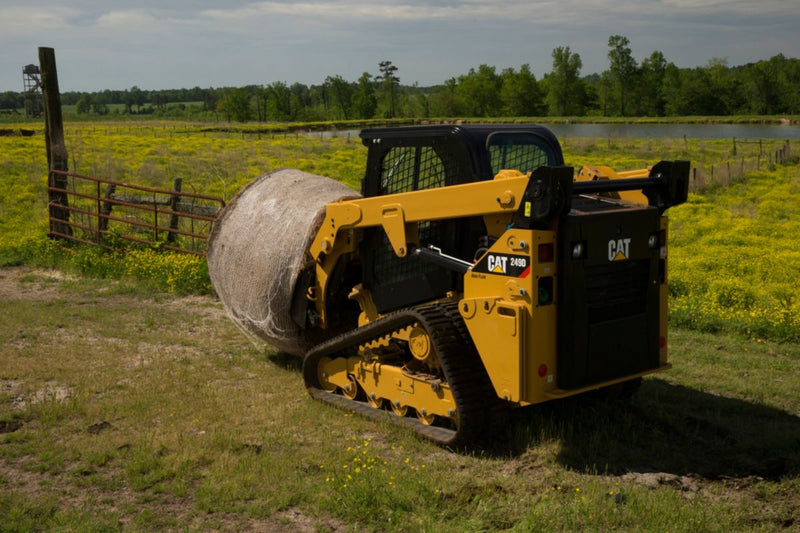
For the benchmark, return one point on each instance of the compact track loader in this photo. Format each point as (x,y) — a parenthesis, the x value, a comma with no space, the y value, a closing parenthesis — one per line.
(477,272)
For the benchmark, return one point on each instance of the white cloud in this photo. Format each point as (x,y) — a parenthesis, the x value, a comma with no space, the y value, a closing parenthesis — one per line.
(129,20)
(16,20)
(212,42)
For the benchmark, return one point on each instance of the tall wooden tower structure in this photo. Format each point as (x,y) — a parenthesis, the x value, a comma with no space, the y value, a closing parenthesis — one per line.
(31,79)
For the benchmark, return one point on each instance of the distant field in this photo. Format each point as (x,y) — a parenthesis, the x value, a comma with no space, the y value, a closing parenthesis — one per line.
(734,257)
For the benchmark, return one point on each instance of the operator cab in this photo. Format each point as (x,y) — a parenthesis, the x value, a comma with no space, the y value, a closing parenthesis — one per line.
(411,158)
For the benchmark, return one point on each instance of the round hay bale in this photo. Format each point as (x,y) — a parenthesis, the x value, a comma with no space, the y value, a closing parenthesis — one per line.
(260,244)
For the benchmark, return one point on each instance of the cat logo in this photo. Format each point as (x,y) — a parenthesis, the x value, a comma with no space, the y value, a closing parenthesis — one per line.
(497,264)
(515,266)
(618,249)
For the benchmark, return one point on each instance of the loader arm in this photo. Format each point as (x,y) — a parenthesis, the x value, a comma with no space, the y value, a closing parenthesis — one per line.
(398,214)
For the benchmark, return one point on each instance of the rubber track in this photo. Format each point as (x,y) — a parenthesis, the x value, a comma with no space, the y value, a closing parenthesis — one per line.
(475,398)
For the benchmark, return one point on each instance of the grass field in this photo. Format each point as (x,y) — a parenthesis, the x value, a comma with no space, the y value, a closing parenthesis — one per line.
(125,407)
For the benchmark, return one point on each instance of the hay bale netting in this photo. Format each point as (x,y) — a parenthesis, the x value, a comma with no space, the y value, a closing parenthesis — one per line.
(259,246)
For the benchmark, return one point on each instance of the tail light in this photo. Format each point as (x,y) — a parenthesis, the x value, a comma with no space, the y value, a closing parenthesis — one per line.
(546,252)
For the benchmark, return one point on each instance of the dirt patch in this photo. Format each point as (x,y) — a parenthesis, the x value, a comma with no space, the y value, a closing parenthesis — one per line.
(50,392)
(657,479)
(39,284)
(10,387)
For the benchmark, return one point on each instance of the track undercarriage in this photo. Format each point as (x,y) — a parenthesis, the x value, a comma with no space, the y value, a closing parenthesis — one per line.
(416,367)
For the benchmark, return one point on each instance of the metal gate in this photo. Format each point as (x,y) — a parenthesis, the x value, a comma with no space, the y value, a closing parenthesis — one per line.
(101,212)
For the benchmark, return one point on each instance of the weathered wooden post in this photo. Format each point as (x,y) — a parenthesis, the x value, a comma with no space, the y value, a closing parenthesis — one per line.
(57,157)
(105,210)
(174,201)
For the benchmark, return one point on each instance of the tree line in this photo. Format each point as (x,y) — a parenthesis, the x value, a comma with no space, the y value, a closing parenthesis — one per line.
(652,87)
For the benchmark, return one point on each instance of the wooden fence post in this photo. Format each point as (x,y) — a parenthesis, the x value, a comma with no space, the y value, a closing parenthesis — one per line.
(57,157)
(174,219)
(105,210)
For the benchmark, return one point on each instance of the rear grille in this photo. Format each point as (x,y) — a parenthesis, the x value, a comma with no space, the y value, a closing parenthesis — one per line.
(616,290)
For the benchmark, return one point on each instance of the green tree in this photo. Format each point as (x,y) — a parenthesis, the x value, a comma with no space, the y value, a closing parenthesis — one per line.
(623,67)
(365,103)
(445,102)
(790,86)
(280,101)
(341,92)
(235,105)
(606,95)
(304,103)
(774,85)
(728,87)
(210,99)
(12,100)
(84,105)
(261,99)
(690,92)
(389,82)
(652,85)
(564,86)
(159,99)
(99,106)
(137,98)
(419,102)
(520,93)
(479,91)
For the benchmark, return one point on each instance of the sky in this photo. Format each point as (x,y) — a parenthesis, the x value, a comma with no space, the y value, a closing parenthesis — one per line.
(166,44)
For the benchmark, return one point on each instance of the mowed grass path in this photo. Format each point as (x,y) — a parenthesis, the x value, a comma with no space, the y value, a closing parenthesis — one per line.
(123,408)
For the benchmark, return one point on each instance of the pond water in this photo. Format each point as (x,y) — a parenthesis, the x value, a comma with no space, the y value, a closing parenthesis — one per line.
(677,131)
(652,131)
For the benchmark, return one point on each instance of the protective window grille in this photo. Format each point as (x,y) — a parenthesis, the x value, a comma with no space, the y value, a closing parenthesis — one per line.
(390,268)
(523,157)
(411,168)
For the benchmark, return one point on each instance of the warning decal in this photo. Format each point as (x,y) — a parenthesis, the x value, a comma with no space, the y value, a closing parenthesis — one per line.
(517,266)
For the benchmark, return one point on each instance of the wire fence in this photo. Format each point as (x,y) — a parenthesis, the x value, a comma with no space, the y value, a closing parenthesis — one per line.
(723,173)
